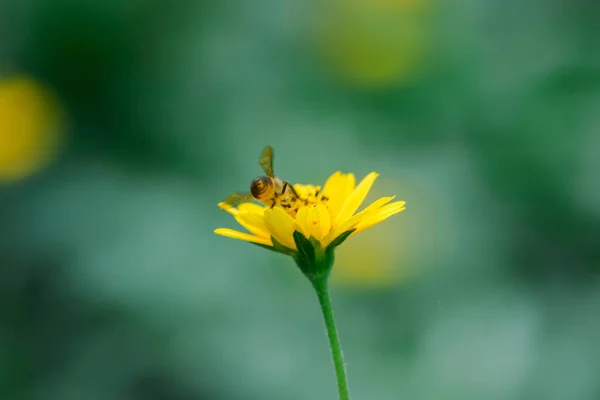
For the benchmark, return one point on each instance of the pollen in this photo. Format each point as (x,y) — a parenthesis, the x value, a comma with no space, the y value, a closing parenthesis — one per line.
(308,196)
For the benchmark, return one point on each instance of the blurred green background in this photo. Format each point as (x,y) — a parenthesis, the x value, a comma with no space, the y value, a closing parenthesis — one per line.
(124,123)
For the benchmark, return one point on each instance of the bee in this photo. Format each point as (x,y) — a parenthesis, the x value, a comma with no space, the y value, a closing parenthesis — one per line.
(269,190)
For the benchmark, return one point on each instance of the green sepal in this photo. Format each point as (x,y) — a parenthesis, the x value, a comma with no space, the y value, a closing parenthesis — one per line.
(340,239)
(312,260)
(264,246)
(283,249)
(316,244)
(306,250)
(278,248)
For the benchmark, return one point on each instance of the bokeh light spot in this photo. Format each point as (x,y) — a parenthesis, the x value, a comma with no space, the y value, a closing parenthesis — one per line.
(31,127)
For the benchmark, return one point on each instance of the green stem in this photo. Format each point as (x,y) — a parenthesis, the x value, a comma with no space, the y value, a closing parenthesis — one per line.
(322,290)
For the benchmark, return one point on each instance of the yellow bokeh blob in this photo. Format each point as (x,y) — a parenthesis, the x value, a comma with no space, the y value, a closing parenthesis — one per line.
(30,127)
(375,43)
(372,260)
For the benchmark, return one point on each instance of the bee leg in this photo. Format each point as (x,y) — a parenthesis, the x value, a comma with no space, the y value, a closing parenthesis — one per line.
(285,184)
(274,202)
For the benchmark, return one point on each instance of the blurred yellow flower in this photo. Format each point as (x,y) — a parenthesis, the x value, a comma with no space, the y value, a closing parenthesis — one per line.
(328,217)
(375,260)
(375,43)
(30,127)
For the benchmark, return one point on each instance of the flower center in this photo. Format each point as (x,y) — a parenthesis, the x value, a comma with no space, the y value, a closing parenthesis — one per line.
(309,195)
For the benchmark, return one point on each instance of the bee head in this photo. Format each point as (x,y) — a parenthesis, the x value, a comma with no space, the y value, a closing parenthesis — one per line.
(262,188)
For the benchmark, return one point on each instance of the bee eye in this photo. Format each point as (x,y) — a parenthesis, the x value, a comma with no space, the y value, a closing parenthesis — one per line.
(259,186)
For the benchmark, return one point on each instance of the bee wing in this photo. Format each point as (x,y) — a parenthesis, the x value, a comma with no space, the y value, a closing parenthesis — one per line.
(266,161)
(236,199)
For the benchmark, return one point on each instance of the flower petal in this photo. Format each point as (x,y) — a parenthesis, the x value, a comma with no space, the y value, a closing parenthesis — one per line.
(243,236)
(343,227)
(225,206)
(247,207)
(334,183)
(356,198)
(378,204)
(252,208)
(253,223)
(337,189)
(250,216)
(357,219)
(322,214)
(253,215)
(281,225)
(302,218)
(314,221)
(380,215)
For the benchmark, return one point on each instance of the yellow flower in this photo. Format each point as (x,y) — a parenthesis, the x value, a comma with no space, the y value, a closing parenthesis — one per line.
(326,220)
(308,225)
(30,125)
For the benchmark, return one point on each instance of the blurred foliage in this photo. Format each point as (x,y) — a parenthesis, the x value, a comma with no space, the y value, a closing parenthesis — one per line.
(483,116)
